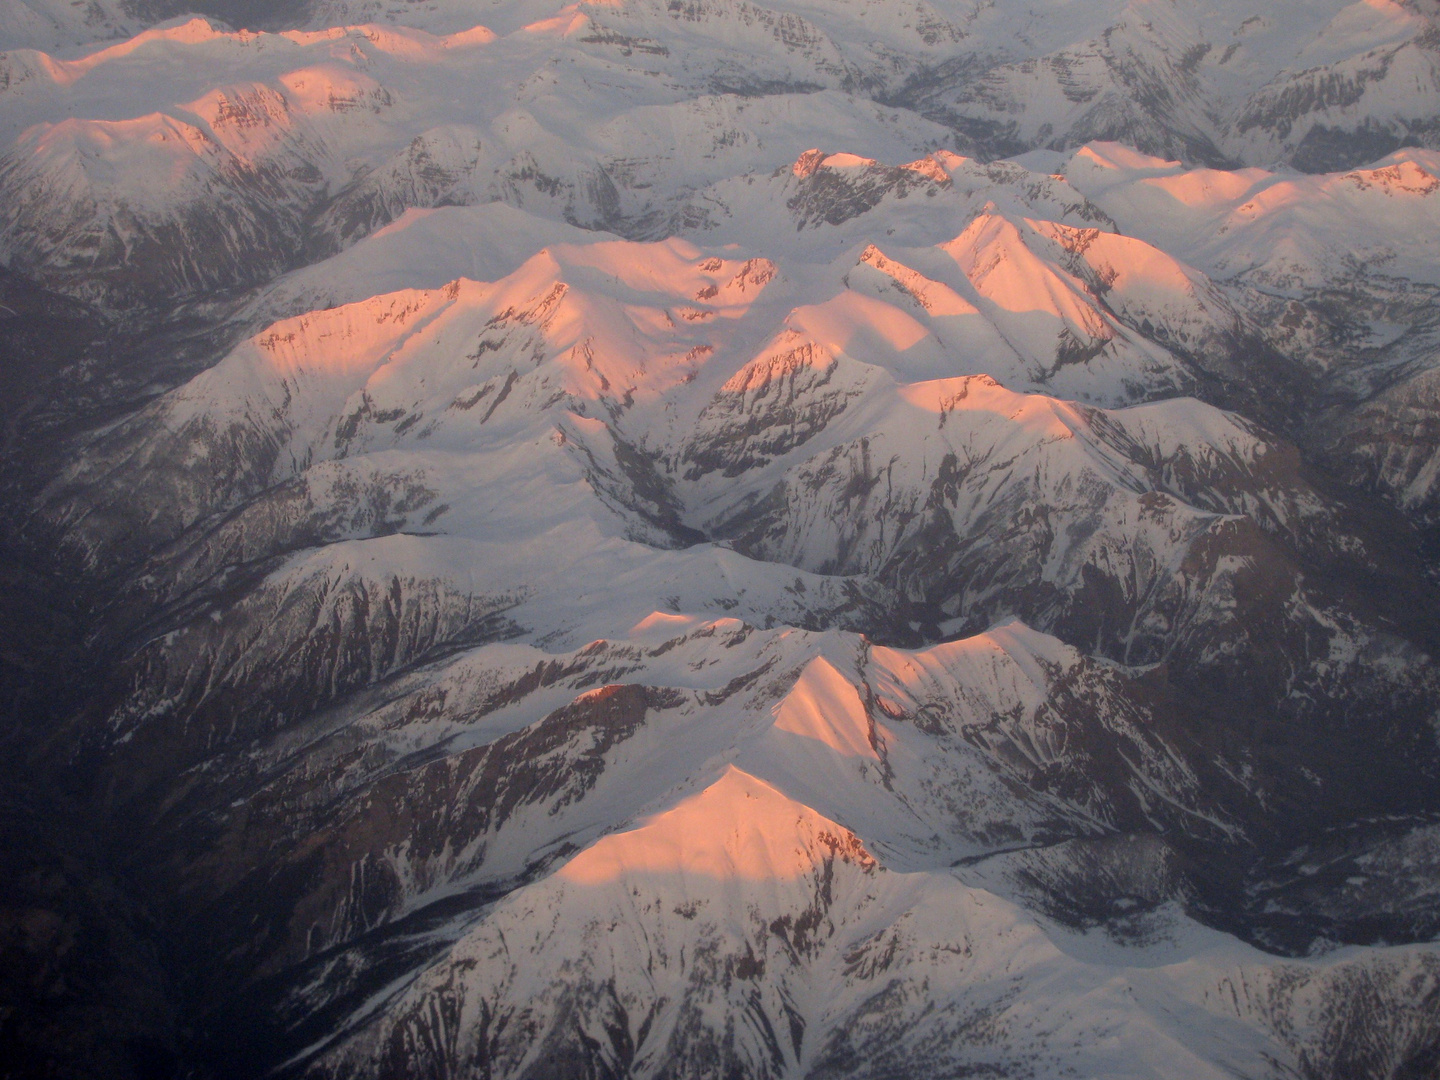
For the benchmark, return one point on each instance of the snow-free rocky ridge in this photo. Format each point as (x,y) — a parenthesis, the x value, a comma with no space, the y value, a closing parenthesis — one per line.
(717,539)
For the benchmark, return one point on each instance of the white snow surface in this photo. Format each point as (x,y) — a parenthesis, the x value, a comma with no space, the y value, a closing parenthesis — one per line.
(599,246)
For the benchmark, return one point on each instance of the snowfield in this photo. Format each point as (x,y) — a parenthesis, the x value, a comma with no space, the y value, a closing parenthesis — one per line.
(717,539)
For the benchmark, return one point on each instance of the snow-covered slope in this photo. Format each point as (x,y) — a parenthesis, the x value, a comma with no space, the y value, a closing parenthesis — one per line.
(1285,249)
(613,116)
(55,24)
(346,515)
(904,972)
(830,538)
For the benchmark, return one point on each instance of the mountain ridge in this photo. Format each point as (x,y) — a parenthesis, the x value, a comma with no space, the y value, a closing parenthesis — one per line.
(827,539)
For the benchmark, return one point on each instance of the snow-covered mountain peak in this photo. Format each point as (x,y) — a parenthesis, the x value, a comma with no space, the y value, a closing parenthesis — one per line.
(783,538)
(179,32)
(1115,161)
(1407,176)
(824,706)
(1362,27)
(993,254)
(405,43)
(883,274)
(609,344)
(737,829)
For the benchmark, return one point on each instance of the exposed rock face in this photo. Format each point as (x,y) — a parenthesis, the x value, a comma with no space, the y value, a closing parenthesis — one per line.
(628,543)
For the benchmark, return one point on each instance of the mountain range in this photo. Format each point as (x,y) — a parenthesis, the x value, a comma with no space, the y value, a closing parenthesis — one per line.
(692,538)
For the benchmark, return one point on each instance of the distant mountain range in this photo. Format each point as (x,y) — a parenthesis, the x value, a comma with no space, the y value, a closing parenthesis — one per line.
(697,539)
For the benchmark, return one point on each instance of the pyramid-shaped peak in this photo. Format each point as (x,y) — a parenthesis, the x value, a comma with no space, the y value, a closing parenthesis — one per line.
(737,828)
